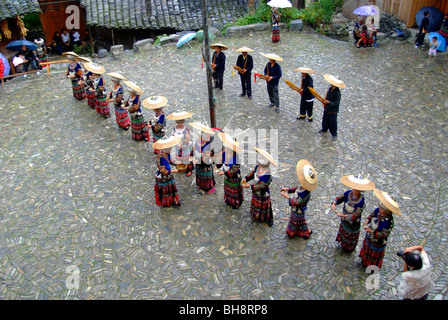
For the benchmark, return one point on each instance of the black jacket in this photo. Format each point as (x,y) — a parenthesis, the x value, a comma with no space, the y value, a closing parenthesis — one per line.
(249,64)
(220,61)
(334,96)
(306,83)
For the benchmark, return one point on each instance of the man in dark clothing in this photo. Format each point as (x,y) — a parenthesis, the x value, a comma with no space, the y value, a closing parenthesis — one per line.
(273,71)
(423,29)
(30,58)
(246,63)
(218,64)
(307,98)
(331,106)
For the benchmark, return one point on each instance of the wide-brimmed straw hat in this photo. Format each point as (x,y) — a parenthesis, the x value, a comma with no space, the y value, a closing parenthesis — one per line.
(334,81)
(244,49)
(166,143)
(116,76)
(133,87)
(388,201)
(266,155)
(180,115)
(155,102)
(84,59)
(229,142)
(307,175)
(305,70)
(223,47)
(358,183)
(70,54)
(202,127)
(272,56)
(94,68)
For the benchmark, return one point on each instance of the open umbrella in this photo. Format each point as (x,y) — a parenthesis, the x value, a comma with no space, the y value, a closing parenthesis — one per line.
(17,45)
(366,11)
(200,35)
(435,18)
(4,66)
(185,38)
(440,39)
(279,4)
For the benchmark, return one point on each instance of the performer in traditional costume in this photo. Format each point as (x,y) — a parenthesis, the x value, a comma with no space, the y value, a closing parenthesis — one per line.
(274,72)
(275,24)
(354,205)
(138,125)
(297,226)
(230,169)
(88,81)
(158,121)
(261,208)
(165,189)
(331,106)
(307,98)
(74,73)
(202,158)
(378,227)
(101,103)
(245,62)
(182,151)
(218,64)
(116,97)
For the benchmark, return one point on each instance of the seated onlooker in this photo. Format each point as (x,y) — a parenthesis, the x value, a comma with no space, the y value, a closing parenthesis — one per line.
(357,31)
(66,41)
(56,44)
(76,37)
(29,57)
(365,39)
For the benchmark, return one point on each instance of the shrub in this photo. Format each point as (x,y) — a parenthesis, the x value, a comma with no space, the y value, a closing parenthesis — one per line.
(84,49)
(319,12)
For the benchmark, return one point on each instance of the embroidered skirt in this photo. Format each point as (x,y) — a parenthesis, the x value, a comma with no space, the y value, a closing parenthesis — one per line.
(90,98)
(122,117)
(138,125)
(261,208)
(79,91)
(102,106)
(297,226)
(165,191)
(204,177)
(348,237)
(233,191)
(275,34)
(372,253)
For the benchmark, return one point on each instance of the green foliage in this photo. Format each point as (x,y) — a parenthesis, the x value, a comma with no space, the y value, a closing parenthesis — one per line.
(157,41)
(84,49)
(321,11)
(34,26)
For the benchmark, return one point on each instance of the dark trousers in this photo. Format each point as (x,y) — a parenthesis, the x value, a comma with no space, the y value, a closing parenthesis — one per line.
(218,77)
(420,39)
(330,121)
(306,108)
(273,96)
(246,85)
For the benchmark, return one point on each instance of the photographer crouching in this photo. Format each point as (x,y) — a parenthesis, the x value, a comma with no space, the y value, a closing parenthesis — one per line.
(417,279)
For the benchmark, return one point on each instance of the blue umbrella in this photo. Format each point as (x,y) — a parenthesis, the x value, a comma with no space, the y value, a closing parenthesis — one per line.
(366,11)
(17,45)
(185,38)
(440,39)
(435,18)
(5,64)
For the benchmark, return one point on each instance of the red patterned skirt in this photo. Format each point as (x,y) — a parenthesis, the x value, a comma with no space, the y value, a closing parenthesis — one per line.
(297,226)
(102,106)
(261,208)
(233,191)
(79,91)
(347,237)
(275,34)
(372,253)
(165,191)
(91,97)
(138,125)
(204,177)
(122,118)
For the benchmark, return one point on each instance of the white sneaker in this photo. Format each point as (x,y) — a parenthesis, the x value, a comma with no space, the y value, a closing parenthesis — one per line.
(24,75)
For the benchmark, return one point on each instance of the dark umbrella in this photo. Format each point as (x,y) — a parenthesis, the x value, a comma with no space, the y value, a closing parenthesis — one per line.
(435,18)
(17,45)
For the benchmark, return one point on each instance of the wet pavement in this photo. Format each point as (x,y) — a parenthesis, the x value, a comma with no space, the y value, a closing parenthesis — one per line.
(77,191)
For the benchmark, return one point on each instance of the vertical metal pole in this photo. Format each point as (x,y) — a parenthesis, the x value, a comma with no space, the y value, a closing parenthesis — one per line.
(207,63)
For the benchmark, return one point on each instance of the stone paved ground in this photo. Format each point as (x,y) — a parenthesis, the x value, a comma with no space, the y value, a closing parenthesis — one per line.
(78,191)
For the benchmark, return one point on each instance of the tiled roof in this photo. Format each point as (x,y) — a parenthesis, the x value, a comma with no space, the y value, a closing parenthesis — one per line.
(160,14)
(14,8)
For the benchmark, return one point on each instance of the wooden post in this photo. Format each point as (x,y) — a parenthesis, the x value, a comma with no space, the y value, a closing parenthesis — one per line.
(206,54)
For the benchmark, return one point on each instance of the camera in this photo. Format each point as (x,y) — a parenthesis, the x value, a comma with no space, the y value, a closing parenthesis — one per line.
(402,254)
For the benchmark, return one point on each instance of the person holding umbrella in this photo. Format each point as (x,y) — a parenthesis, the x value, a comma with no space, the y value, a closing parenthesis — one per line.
(351,213)
(245,63)
(218,64)
(28,56)
(423,29)
(307,176)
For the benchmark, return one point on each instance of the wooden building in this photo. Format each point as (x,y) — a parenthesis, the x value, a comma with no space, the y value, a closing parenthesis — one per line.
(406,10)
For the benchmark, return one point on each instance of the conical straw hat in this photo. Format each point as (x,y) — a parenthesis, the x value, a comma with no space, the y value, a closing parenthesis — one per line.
(155,102)
(133,87)
(223,47)
(229,142)
(94,68)
(334,81)
(266,155)
(116,75)
(202,127)
(358,183)
(388,201)
(180,115)
(244,49)
(166,143)
(272,56)
(305,70)
(307,175)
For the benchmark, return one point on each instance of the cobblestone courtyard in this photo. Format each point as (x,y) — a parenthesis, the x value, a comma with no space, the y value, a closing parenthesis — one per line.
(75,190)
